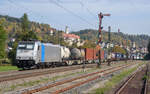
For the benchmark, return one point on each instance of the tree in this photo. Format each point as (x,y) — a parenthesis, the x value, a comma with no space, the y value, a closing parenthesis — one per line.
(88,44)
(148,47)
(26,34)
(63,42)
(25,23)
(3,37)
(74,45)
(118,49)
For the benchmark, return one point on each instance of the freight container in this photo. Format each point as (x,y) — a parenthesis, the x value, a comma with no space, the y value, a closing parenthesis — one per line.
(90,54)
(102,54)
(93,54)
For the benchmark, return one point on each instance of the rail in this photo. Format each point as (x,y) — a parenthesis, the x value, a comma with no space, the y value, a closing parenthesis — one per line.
(73,79)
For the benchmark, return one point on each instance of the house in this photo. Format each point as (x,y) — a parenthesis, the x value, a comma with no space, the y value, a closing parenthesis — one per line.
(71,38)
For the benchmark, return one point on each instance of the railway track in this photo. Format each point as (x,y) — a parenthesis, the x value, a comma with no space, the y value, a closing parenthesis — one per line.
(135,84)
(38,73)
(39,70)
(14,75)
(92,76)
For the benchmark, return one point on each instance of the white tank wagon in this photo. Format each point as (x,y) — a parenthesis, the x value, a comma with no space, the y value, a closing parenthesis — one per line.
(77,56)
(35,54)
(65,53)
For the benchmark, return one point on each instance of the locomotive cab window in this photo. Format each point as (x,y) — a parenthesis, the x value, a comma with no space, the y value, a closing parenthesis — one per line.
(26,46)
(21,46)
(30,46)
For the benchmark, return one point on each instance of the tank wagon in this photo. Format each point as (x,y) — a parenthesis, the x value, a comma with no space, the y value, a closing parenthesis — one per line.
(34,54)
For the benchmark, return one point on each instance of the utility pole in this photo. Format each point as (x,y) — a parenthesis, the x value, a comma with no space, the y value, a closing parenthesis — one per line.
(100,15)
(126,51)
(109,40)
(109,35)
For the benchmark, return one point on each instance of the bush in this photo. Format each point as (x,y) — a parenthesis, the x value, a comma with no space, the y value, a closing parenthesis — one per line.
(12,54)
(147,57)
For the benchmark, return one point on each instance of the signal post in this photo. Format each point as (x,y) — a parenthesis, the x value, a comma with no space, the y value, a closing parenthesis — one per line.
(100,16)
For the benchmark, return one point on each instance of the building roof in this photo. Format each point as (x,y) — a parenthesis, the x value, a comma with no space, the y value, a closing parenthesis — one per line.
(71,36)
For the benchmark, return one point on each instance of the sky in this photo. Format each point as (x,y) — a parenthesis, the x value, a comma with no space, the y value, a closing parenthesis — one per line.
(130,16)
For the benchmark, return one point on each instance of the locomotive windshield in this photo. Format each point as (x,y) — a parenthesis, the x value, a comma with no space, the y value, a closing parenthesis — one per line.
(26,46)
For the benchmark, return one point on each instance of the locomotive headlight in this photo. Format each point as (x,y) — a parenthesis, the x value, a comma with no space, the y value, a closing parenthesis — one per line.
(18,57)
(30,58)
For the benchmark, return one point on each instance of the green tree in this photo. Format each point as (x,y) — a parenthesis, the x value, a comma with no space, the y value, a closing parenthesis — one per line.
(74,45)
(118,49)
(3,38)
(63,42)
(89,44)
(25,23)
(26,34)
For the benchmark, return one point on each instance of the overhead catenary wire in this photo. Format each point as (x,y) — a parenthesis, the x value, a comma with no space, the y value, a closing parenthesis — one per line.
(54,2)
(31,11)
(71,12)
(87,9)
(27,9)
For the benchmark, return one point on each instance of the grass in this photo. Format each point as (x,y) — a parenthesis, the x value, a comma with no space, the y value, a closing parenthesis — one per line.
(8,68)
(145,77)
(115,80)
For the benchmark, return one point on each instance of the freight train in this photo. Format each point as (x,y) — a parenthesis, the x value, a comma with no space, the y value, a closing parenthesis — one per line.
(34,54)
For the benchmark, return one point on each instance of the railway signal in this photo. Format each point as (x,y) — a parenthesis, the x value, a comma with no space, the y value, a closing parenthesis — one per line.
(100,25)
(100,15)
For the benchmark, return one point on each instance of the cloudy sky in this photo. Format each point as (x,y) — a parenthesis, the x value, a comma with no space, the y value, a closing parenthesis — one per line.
(131,16)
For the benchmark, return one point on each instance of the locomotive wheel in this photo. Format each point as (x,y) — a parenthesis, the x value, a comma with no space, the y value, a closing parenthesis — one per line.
(37,66)
(53,65)
(48,65)
(66,64)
